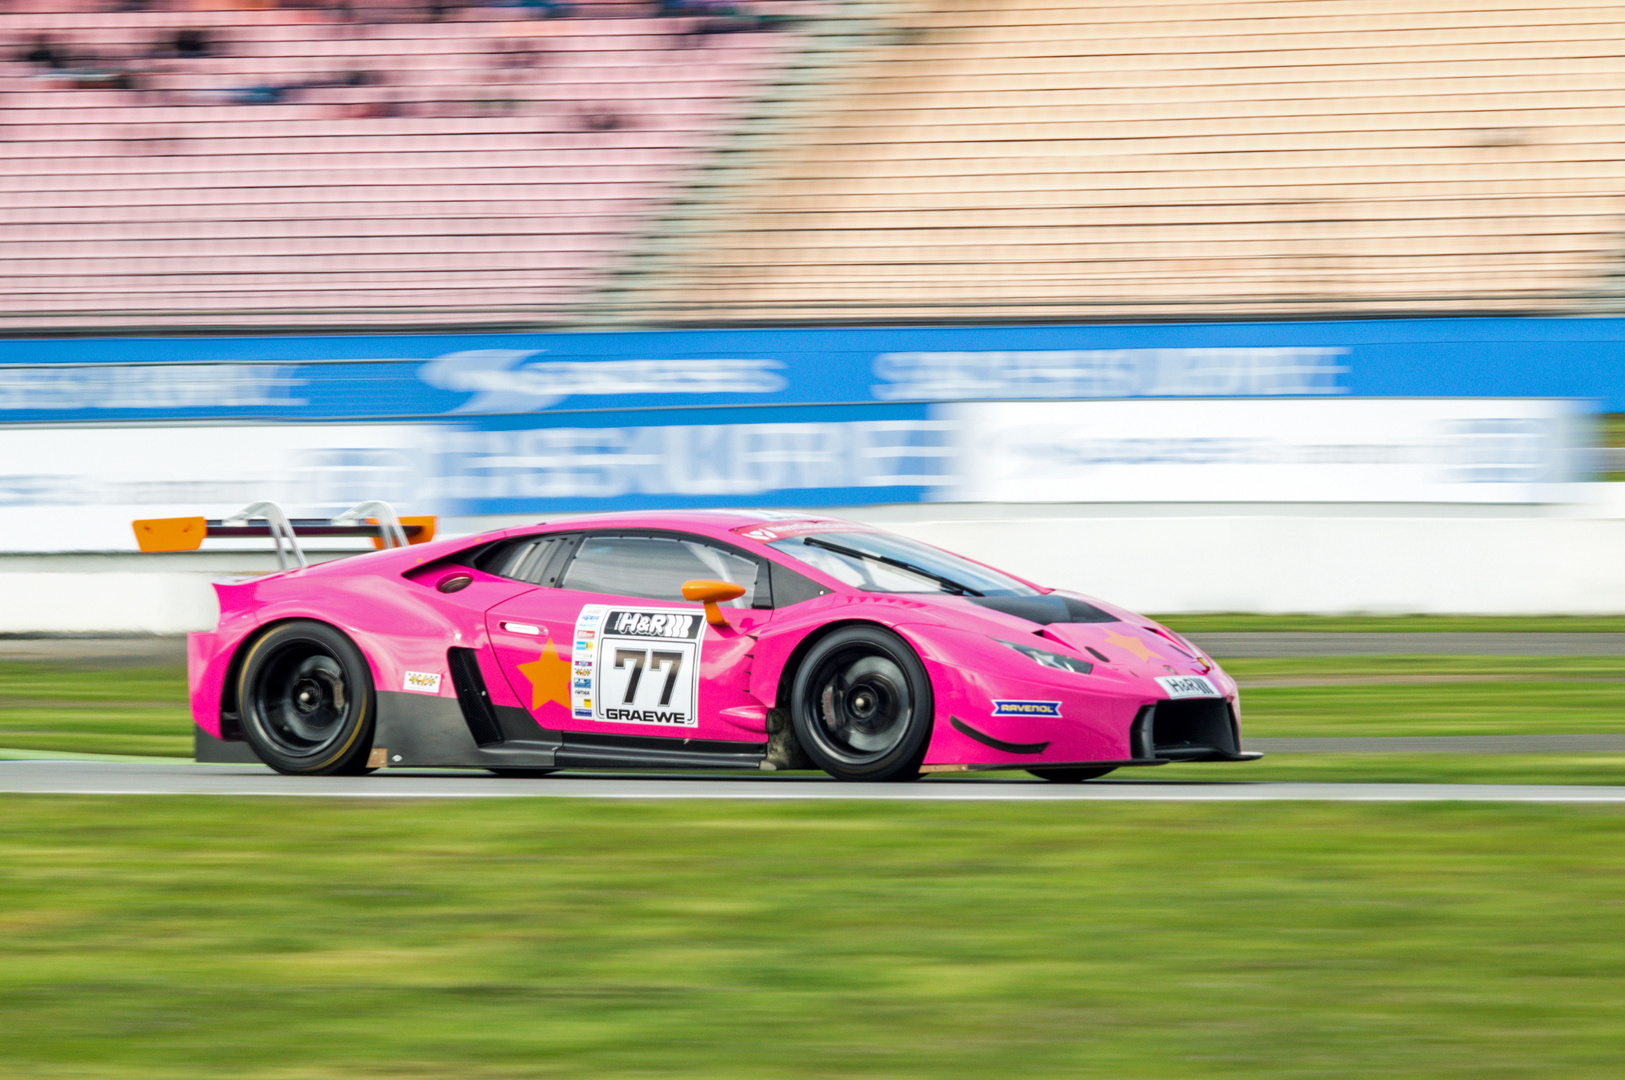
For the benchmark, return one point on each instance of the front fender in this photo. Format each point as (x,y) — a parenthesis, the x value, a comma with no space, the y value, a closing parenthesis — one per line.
(1053,716)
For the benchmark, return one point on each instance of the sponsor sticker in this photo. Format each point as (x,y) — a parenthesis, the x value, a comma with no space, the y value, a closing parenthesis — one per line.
(1184,686)
(1026,708)
(422,681)
(785,530)
(641,667)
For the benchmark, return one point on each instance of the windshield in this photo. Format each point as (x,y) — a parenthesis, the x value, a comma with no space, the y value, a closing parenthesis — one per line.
(882,562)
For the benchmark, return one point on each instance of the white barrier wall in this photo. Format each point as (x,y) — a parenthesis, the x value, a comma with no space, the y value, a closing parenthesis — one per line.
(1565,558)
(1427,560)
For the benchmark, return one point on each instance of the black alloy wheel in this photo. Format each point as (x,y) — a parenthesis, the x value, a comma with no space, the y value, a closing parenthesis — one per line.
(862,706)
(307,701)
(1069,776)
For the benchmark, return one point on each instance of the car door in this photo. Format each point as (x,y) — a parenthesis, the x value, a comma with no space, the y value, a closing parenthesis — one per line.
(607,644)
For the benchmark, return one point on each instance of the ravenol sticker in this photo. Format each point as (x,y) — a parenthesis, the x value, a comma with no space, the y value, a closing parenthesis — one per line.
(1184,686)
(422,681)
(1027,708)
(641,667)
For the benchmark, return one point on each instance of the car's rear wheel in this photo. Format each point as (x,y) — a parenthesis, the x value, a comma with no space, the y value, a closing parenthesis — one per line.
(862,707)
(307,700)
(1069,776)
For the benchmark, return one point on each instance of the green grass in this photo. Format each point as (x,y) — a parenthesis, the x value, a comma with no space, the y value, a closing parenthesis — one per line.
(1507,624)
(1611,432)
(1608,769)
(1527,708)
(139,711)
(176,938)
(1399,668)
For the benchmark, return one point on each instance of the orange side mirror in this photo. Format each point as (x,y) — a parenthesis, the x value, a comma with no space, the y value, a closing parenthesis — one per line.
(710,592)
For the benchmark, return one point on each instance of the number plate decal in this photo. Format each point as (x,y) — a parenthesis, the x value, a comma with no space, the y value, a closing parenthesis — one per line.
(637,666)
(1184,686)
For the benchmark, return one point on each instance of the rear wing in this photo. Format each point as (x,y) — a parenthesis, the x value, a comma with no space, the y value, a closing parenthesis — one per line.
(374,519)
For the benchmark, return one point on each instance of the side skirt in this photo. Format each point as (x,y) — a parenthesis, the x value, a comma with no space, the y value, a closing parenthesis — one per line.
(212,751)
(420,731)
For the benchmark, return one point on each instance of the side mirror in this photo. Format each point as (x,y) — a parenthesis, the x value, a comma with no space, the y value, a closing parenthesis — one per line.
(710,592)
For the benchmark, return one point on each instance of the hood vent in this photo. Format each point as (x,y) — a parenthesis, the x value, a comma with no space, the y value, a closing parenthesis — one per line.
(1046,609)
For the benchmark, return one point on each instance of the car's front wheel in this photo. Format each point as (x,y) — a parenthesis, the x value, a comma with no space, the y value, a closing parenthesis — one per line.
(862,707)
(307,700)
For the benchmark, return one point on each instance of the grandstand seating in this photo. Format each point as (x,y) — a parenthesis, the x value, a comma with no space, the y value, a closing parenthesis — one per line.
(1065,158)
(375,164)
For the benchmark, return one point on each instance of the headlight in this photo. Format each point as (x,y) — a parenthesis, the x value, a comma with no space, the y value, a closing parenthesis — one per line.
(1050,659)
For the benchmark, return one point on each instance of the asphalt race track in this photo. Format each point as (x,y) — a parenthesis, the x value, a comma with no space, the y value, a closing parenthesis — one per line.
(144,778)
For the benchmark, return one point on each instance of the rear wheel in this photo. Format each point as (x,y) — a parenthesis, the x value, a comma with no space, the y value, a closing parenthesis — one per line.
(862,707)
(1069,776)
(307,701)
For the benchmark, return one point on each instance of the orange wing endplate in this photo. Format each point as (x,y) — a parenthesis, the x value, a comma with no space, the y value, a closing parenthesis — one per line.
(425,529)
(171,534)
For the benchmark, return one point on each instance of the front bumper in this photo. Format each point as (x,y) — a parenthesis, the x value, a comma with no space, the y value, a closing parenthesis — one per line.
(1184,741)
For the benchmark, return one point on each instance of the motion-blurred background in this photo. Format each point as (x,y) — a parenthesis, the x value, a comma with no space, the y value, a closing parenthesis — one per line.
(1248,305)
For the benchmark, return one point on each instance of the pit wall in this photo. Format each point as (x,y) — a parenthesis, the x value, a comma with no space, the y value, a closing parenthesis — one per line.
(1371,558)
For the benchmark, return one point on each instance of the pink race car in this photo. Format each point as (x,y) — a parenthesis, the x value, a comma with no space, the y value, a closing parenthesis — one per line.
(697,640)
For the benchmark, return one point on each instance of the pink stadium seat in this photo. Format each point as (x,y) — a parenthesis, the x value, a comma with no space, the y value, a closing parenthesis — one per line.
(424,166)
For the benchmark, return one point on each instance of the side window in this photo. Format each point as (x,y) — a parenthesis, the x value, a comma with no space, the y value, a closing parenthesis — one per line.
(523,560)
(790,587)
(655,567)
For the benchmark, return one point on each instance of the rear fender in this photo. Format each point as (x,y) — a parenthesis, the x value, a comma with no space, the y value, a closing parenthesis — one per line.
(400,628)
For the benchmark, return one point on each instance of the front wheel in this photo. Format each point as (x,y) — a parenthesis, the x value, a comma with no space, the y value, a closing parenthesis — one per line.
(1069,776)
(862,707)
(307,701)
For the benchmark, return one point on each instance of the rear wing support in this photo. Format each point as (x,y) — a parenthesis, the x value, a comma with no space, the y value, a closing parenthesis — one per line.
(277,521)
(373,518)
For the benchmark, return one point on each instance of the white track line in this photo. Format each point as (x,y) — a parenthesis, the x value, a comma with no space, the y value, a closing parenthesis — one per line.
(105,778)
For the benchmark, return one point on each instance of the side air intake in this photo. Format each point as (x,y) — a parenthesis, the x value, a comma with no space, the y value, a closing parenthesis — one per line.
(472,696)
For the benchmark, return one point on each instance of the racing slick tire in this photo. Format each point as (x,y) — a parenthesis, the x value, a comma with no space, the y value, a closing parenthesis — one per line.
(862,707)
(1070,776)
(307,701)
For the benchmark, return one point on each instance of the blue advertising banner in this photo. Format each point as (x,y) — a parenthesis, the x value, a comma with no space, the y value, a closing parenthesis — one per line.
(471,379)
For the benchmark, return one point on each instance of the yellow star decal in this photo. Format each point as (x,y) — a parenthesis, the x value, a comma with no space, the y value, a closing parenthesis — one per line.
(549,676)
(1130,644)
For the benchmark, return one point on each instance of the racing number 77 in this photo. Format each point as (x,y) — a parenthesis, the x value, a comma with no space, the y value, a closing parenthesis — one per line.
(638,658)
